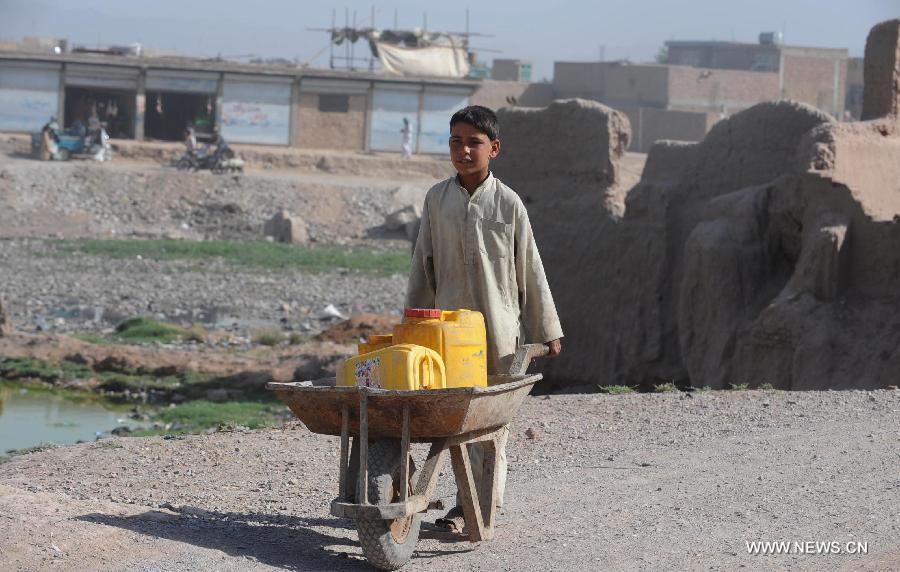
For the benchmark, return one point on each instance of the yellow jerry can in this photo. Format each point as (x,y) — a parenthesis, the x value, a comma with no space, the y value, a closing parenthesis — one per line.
(400,366)
(375,342)
(458,336)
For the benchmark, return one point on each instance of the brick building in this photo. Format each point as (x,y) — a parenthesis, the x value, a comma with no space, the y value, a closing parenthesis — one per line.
(703,82)
(155,98)
(816,76)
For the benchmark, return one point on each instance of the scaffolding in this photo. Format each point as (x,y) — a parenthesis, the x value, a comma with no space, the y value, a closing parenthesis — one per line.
(342,53)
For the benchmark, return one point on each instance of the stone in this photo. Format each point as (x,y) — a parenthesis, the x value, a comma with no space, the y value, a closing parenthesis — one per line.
(286,228)
(217,395)
(317,367)
(6,326)
(408,219)
(359,326)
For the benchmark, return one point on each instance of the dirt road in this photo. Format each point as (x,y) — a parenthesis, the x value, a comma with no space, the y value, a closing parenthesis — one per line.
(651,481)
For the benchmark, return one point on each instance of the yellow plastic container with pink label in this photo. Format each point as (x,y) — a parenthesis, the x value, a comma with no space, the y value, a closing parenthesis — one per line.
(458,336)
(405,367)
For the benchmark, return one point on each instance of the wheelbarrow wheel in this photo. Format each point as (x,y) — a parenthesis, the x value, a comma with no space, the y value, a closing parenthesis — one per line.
(387,544)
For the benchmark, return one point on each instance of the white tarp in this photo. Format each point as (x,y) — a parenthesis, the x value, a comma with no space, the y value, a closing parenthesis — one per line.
(28,97)
(437,61)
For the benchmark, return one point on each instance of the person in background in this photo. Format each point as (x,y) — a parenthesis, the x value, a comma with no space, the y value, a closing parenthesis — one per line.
(190,141)
(407,139)
(50,140)
(103,149)
(219,153)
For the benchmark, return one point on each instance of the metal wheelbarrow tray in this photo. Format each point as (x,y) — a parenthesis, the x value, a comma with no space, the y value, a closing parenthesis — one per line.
(433,413)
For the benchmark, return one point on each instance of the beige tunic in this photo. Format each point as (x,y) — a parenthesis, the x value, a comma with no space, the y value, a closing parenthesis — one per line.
(479,253)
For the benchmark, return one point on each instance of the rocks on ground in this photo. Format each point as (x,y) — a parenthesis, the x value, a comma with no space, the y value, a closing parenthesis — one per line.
(6,326)
(287,228)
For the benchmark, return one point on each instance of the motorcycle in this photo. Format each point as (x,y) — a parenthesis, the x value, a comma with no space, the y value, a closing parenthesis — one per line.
(223,161)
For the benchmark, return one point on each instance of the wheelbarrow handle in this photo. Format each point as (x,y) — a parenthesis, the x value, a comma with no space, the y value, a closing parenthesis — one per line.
(524,355)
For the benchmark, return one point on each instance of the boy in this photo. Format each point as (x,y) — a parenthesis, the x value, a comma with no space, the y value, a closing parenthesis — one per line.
(475,250)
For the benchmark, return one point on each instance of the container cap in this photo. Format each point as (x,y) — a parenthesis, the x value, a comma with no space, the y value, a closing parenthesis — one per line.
(422,313)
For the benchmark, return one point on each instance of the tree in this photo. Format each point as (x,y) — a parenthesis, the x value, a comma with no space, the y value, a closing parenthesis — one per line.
(662,55)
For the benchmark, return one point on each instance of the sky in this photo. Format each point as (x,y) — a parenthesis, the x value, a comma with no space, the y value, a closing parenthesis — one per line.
(543,32)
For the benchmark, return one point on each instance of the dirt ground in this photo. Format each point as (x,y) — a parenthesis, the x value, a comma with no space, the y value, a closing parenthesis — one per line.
(630,482)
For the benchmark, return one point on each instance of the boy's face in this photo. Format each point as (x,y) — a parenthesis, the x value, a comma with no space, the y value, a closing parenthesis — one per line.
(471,150)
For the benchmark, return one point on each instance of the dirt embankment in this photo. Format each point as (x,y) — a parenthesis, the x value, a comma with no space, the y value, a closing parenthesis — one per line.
(664,481)
(123,199)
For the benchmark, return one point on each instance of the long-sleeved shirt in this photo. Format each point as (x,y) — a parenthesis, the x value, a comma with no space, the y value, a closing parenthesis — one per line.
(478,252)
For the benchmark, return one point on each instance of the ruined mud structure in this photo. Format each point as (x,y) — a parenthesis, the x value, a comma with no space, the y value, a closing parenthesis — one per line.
(767,253)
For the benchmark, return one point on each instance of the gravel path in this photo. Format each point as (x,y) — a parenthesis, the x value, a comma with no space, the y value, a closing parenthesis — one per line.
(633,482)
(65,294)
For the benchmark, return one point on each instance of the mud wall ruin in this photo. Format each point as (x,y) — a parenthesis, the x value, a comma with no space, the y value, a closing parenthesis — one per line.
(769,252)
(881,71)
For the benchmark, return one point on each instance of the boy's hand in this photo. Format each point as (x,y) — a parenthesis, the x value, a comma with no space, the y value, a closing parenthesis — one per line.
(555,348)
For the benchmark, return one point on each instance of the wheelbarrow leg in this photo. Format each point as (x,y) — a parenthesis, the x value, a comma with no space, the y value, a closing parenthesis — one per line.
(362,485)
(345,453)
(428,475)
(404,455)
(487,490)
(465,483)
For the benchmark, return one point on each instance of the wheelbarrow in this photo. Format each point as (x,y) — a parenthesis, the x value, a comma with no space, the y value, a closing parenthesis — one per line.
(379,487)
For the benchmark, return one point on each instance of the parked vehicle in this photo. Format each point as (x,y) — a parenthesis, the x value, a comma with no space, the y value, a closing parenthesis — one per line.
(75,141)
(69,143)
(224,162)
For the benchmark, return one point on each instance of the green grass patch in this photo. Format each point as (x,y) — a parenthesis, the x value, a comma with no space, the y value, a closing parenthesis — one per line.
(259,254)
(297,339)
(665,388)
(740,386)
(199,415)
(23,368)
(616,389)
(143,329)
(268,336)
(196,333)
(26,368)
(94,339)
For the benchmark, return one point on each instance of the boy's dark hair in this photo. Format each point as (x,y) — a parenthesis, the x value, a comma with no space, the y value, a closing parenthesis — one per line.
(479,117)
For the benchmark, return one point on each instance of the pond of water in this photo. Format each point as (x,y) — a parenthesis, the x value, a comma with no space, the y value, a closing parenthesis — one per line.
(28,418)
